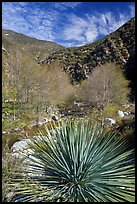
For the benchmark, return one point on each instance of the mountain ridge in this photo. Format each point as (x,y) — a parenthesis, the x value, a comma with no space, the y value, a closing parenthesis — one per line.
(116,47)
(39,48)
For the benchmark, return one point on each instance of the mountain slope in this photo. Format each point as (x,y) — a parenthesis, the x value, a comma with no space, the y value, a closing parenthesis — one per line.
(39,48)
(117,47)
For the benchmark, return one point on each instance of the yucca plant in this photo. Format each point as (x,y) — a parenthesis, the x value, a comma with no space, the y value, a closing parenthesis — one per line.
(77,162)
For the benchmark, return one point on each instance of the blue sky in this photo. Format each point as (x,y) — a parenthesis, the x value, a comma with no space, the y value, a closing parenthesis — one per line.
(66,23)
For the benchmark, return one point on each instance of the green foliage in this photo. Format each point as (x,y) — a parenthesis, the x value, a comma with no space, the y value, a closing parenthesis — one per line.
(77,162)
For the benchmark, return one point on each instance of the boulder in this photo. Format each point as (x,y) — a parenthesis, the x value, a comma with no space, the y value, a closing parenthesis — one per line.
(120,113)
(19,147)
(109,121)
(126,113)
(9,195)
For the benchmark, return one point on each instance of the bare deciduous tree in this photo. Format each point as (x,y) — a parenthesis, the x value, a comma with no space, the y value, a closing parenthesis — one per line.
(105,85)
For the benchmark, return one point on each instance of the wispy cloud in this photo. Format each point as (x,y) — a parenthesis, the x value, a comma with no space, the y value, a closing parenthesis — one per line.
(132,10)
(88,29)
(59,23)
(80,30)
(32,22)
(65,5)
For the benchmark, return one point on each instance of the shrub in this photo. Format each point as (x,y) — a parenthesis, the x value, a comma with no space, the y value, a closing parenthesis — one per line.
(77,162)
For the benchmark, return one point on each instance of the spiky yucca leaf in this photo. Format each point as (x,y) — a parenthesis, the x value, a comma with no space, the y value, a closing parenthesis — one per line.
(77,162)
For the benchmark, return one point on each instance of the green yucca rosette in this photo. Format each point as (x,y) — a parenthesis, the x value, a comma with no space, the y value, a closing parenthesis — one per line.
(77,162)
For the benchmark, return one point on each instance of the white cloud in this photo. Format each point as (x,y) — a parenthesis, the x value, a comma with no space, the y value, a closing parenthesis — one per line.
(132,10)
(65,5)
(91,34)
(108,23)
(35,23)
(75,29)
(89,29)
(80,30)
(54,24)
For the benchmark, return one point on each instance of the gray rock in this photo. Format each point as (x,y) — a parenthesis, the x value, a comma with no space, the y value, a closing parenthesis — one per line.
(109,121)
(10,195)
(17,129)
(126,113)
(40,123)
(4,132)
(120,113)
(19,147)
